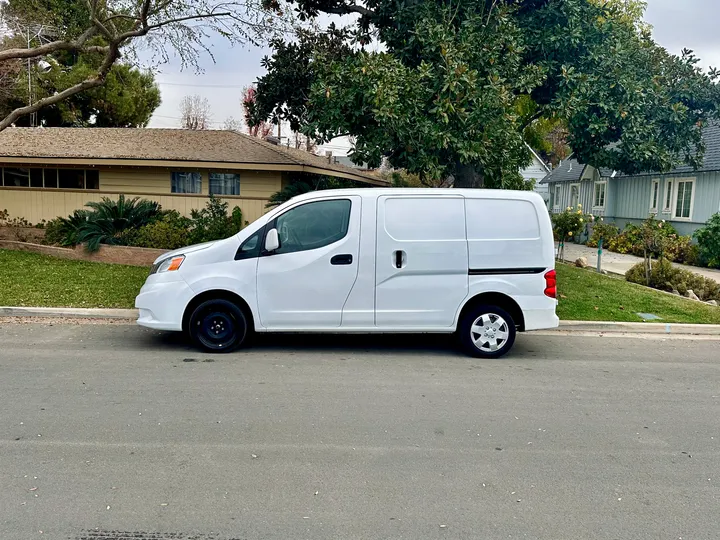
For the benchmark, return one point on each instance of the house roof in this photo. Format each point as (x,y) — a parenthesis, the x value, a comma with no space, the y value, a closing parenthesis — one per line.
(149,146)
(568,171)
(711,161)
(538,158)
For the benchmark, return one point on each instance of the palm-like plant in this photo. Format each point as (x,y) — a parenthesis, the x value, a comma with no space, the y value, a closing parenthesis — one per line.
(109,220)
(64,231)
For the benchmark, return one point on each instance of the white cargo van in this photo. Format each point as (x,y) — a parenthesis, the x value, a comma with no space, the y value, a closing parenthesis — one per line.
(476,262)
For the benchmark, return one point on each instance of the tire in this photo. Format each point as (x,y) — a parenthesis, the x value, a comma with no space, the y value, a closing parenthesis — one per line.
(218,326)
(487,332)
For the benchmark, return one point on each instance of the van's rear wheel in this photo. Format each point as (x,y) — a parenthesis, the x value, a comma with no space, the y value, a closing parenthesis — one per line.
(487,332)
(218,326)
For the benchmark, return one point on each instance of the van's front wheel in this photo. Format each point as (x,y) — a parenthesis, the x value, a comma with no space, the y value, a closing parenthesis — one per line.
(218,326)
(487,332)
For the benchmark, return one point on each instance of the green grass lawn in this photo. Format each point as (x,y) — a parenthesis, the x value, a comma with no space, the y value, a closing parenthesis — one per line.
(28,279)
(585,295)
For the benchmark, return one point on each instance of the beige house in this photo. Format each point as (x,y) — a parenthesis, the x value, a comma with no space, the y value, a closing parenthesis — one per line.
(50,172)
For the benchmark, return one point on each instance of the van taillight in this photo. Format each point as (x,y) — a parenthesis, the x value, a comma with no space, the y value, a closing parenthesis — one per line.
(551,284)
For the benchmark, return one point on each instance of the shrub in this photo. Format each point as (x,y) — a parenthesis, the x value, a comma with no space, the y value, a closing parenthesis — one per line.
(169,232)
(606,231)
(64,231)
(681,249)
(568,225)
(708,238)
(110,220)
(664,276)
(16,225)
(213,223)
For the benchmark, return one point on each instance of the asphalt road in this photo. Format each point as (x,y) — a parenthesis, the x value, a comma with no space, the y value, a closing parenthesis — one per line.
(115,432)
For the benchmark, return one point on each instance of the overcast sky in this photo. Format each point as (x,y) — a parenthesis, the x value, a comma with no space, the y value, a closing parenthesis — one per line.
(677,24)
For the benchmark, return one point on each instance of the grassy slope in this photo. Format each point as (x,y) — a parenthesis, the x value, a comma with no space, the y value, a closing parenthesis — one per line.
(585,295)
(28,279)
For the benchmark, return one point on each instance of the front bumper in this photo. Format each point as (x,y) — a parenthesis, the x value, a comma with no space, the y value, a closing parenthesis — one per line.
(162,304)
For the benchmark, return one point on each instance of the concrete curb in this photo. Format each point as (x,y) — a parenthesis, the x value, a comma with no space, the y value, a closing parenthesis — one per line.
(641,328)
(565,326)
(76,313)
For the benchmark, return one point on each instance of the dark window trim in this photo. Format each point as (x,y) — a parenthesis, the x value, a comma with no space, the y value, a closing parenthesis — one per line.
(256,253)
(504,271)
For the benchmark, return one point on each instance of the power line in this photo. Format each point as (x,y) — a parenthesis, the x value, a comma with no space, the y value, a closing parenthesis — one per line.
(203,85)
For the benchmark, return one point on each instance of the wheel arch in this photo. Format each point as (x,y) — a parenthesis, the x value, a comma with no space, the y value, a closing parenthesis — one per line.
(500,300)
(217,294)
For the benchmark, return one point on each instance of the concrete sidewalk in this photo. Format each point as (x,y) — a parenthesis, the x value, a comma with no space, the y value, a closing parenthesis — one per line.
(617,263)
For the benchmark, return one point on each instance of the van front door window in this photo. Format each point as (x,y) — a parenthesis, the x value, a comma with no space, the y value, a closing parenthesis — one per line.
(313,225)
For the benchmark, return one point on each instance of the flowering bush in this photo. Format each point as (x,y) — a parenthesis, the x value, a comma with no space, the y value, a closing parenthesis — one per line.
(663,240)
(568,225)
(606,231)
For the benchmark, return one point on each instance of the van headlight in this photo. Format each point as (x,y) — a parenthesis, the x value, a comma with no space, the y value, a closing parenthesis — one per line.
(167,265)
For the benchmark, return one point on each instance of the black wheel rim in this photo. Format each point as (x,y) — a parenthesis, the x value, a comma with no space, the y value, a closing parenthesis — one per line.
(217,329)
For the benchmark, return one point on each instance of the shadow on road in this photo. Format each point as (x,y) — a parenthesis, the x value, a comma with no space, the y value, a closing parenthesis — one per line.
(433,344)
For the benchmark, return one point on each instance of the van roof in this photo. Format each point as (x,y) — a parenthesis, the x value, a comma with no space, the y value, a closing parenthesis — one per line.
(373,193)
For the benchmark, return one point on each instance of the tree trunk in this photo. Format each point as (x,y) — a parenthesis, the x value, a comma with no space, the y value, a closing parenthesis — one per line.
(467,176)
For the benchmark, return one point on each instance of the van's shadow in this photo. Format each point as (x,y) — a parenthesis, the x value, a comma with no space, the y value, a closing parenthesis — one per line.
(433,344)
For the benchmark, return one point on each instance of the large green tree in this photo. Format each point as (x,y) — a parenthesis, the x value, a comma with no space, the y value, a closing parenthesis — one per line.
(457,84)
(127,99)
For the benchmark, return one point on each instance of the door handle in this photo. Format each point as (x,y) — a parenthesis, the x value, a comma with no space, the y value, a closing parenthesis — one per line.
(342,259)
(400,258)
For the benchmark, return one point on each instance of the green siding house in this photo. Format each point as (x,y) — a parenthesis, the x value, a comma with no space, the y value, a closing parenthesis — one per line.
(685,197)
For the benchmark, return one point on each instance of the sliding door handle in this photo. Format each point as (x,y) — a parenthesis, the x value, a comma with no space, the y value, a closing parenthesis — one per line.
(344,259)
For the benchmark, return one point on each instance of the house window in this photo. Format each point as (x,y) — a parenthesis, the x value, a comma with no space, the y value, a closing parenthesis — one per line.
(574,195)
(654,195)
(557,199)
(36,178)
(92,179)
(224,184)
(668,196)
(49,178)
(186,182)
(71,178)
(600,192)
(684,195)
(16,177)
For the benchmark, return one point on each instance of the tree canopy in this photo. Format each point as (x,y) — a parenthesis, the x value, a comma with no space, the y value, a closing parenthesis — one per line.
(455,85)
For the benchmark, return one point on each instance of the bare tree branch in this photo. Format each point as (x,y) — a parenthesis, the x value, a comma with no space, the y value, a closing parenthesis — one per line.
(113,54)
(161,24)
(49,48)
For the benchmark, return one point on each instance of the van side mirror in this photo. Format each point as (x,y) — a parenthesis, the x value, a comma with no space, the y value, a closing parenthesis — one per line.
(272,240)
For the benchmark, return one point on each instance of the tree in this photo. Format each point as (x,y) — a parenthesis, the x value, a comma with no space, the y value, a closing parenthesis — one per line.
(195,112)
(104,31)
(258,128)
(127,99)
(231,124)
(303,142)
(443,97)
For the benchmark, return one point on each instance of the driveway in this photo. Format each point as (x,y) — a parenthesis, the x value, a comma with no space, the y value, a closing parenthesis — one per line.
(115,432)
(618,263)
